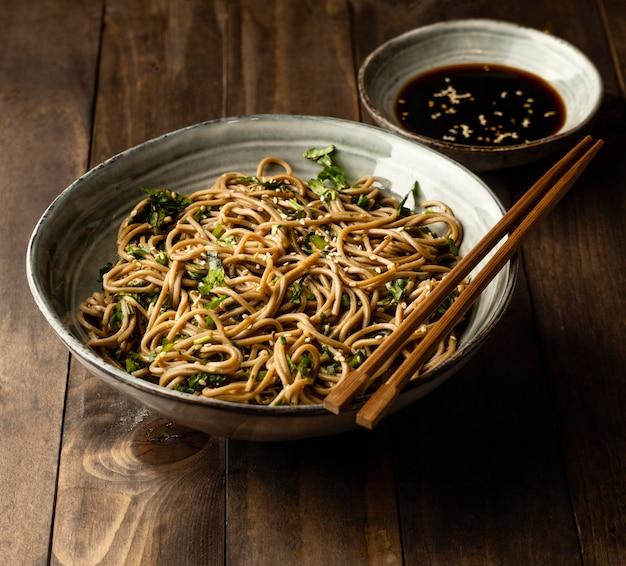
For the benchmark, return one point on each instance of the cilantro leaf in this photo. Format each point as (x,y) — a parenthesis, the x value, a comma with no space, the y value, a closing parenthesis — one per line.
(403,210)
(134,362)
(333,174)
(397,289)
(321,189)
(447,303)
(159,206)
(214,276)
(117,317)
(330,172)
(198,381)
(138,252)
(454,249)
(104,270)
(269,184)
(358,358)
(320,155)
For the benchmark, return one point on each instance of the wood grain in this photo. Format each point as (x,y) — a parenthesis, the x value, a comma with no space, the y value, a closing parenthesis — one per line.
(133,488)
(274,68)
(323,501)
(486,434)
(584,338)
(578,328)
(519,459)
(287,503)
(46,94)
(163,66)
(484,482)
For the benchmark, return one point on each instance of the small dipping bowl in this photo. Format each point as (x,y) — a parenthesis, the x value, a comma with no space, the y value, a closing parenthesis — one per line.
(393,65)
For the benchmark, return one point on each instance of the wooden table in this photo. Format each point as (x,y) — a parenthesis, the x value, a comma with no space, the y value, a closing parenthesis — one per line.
(519,459)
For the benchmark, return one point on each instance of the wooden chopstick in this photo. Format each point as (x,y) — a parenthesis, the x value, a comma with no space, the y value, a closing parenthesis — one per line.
(375,407)
(347,389)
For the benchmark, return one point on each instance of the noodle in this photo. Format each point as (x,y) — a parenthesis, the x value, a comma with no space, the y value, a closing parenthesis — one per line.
(266,290)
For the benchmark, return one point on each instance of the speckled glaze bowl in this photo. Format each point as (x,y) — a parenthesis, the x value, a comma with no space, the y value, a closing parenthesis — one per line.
(77,235)
(574,77)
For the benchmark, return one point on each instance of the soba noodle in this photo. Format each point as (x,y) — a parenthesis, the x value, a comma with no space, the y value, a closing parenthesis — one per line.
(267,289)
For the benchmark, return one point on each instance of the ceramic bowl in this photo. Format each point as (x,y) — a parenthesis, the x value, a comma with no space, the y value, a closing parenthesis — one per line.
(392,65)
(76,236)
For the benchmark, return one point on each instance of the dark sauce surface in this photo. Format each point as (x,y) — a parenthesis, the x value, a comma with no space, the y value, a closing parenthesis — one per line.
(479,104)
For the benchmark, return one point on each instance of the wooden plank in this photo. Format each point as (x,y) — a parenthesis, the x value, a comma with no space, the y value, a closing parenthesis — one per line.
(582,327)
(291,58)
(576,284)
(321,501)
(612,14)
(326,501)
(46,94)
(162,70)
(485,482)
(134,488)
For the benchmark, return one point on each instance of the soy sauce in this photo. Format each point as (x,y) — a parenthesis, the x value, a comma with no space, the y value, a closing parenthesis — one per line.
(478,104)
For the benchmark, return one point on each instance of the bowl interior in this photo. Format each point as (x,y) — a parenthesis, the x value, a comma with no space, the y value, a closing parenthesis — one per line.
(76,235)
(562,65)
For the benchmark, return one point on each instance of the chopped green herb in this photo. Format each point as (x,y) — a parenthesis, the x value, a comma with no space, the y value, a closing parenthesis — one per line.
(216,302)
(228,241)
(321,189)
(198,381)
(144,299)
(133,362)
(330,172)
(215,275)
(358,358)
(454,249)
(137,252)
(298,210)
(270,184)
(364,201)
(335,175)
(331,368)
(201,214)
(397,289)
(117,318)
(304,366)
(320,155)
(447,303)
(403,210)
(105,269)
(296,293)
(159,206)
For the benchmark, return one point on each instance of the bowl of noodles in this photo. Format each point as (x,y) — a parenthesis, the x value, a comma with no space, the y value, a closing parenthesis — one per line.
(228,275)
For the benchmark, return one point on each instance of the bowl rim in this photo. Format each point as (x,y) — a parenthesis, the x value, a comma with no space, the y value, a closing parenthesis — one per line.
(90,359)
(478,24)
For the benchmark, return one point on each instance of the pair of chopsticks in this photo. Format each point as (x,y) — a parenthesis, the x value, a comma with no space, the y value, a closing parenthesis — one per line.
(537,202)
